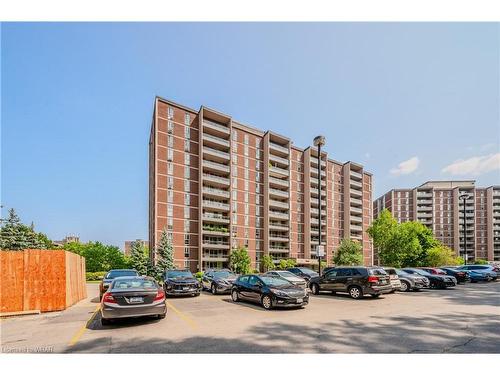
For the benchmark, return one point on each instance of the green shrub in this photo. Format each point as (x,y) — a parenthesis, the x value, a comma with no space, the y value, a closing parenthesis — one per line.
(481,261)
(95,276)
(199,275)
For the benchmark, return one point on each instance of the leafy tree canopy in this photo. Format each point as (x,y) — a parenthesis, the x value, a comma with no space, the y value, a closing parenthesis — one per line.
(239,260)
(349,253)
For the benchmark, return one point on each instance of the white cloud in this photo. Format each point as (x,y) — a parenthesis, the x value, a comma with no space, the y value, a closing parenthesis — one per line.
(406,167)
(475,165)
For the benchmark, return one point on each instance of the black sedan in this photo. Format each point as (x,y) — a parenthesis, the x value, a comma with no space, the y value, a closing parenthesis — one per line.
(133,296)
(269,291)
(181,282)
(218,281)
(460,275)
(436,281)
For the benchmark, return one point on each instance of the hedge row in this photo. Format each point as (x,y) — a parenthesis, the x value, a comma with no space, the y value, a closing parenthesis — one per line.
(95,276)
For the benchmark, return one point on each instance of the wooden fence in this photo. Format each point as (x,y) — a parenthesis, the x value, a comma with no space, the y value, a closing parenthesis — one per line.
(45,280)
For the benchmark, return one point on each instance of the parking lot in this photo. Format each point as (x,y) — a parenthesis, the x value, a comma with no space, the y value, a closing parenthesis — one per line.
(465,319)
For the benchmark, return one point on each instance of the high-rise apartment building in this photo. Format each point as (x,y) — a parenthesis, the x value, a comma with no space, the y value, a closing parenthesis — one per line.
(437,205)
(216,184)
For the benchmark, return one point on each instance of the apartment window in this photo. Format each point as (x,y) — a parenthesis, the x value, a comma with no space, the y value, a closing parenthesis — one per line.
(246,162)
(187,199)
(170,168)
(170,196)
(235,170)
(170,113)
(257,176)
(235,135)
(187,226)
(257,210)
(170,140)
(186,239)
(257,200)
(257,165)
(170,154)
(170,182)
(170,126)
(257,188)
(170,210)
(186,252)
(257,233)
(235,218)
(235,159)
(186,212)
(235,146)
(299,168)
(299,177)
(235,195)
(246,185)
(257,142)
(170,224)
(246,197)
(247,209)
(258,222)
(187,185)
(246,232)
(235,206)
(235,182)
(246,220)
(245,139)
(187,159)
(187,145)
(187,132)
(187,172)
(247,174)
(186,264)
(187,118)
(257,246)
(257,154)
(246,150)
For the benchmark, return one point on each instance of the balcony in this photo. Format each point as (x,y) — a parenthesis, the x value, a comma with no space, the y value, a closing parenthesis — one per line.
(355,227)
(216,179)
(216,192)
(356,201)
(314,181)
(216,205)
(216,153)
(214,218)
(215,244)
(355,193)
(423,208)
(278,193)
(216,166)
(278,159)
(423,215)
(315,221)
(278,249)
(278,226)
(424,194)
(278,238)
(216,140)
(280,149)
(273,203)
(216,126)
(356,175)
(315,192)
(277,171)
(314,162)
(356,219)
(215,257)
(278,214)
(278,182)
(315,212)
(214,232)
(356,210)
(314,173)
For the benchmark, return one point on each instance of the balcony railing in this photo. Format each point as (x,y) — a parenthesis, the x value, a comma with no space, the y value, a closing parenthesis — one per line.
(222,218)
(219,192)
(278,181)
(278,159)
(278,214)
(274,203)
(217,140)
(210,150)
(273,225)
(215,125)
(278,192)
(356,227)
(213,177)
(281,171)
(219,166)
(278,147)
(357,175)
(214,204)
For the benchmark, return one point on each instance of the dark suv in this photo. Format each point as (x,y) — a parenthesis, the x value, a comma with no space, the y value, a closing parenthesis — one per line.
(357,281)
(181,282)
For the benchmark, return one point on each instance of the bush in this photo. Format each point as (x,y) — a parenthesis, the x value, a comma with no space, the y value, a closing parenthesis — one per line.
(199,275)
(255,271)
(95,276)
(481,261)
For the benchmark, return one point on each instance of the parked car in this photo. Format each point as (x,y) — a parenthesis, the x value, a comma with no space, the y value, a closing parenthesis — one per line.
(357,281)
(461,276)
(393,276)
(110,276)
(411,281)
(181,282)
(494,270)
(218,281)
(476,276)
(303,272)
(433,270)
(133,296)
(436,281)
(287,275)
(269,291)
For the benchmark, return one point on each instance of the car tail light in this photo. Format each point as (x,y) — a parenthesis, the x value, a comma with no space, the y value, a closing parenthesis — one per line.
(108,298)
(372,279)
(160,295)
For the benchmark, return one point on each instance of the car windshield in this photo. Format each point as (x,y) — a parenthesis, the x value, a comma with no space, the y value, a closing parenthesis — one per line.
(178,274)
(377,271)
(422,272)
(274,281)
(390,271)
(402,273)
(308,271)
(134,284)
(286,274)
(224,274)
(120,273)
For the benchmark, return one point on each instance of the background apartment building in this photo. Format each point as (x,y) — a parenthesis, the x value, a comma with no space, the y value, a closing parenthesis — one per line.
(437,205)
(216,184)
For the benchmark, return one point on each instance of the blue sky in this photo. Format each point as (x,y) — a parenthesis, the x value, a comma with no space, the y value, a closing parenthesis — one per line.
(412,102)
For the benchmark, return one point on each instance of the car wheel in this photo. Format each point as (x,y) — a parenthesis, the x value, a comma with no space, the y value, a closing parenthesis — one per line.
(213,289)
(405,286)
(355,292)
(162,316)
(234,295)
(105,322)
(314,289)
(267,302)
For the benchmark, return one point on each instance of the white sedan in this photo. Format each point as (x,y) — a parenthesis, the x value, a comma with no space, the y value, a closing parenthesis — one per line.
(286,275)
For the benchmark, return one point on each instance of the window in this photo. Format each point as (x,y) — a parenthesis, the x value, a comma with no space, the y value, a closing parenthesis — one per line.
(186,252)
(235,146)
(186,212)
(170,168)
(170,196)
(235,206)
(246,220)
(246,197)
(170,223)
(246,151)
(235,182)
(170,210)
(187,199)
(187,118)
(246,185)
(187,145)
(235,159)
(187,172)
(235,170)
(257,165)
(170,113)
(245,139)
(187,159)
(257,142)
(235,218)
(257,210)
(187,185)
(257,154)
(170,141)
(235,135)
(187,226)
(344,272)
(187,132)
(186,239)
(247,174)
(246,162)
(235,195)
(186,264)
(247,209)
(170,182)
(170,126)
(257,200)
(170,154)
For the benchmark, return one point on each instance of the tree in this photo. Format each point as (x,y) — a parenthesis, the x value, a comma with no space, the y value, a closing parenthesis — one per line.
(165,255)
(286,263)
(382,229)
(267,263)
(239,260)
(441,255)
(349,253)
(479,261)
(98,257)
(14,235)
(139,259)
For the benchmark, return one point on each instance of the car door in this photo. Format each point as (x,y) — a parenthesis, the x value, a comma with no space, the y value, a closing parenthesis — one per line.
(342,278)
(328,279)
(207,280)
(243,287)
(255,287)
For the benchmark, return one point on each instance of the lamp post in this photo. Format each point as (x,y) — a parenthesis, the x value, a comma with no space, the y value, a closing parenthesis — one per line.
(464,197)
(318,142)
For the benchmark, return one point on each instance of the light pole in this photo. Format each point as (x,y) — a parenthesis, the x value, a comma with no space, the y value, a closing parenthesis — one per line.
(319,141)
(464,197)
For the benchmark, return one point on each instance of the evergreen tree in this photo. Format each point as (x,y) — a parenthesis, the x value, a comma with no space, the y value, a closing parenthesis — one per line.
(164,255)
(139,258)
(14,235)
